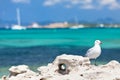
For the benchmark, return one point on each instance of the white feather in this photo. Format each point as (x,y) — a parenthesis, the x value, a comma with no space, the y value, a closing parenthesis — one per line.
(95,51)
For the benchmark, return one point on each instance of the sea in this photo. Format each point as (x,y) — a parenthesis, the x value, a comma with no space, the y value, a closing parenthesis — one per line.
(37,47)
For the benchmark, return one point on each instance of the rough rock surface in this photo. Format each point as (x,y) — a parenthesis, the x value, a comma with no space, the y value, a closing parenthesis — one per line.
(67,67)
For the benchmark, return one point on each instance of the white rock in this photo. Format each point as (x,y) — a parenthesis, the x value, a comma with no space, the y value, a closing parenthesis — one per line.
(74,68)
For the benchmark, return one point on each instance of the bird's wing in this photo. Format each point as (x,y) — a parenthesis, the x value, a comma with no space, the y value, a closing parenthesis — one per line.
(89,51)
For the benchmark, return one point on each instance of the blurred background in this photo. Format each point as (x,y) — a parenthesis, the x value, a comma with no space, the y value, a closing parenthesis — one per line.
(34,32)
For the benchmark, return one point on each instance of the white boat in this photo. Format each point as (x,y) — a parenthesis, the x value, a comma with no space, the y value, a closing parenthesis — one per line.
(18,26)
(77,27)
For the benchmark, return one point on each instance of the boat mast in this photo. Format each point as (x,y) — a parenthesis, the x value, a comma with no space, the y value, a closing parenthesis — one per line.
(18,16)
(76,20)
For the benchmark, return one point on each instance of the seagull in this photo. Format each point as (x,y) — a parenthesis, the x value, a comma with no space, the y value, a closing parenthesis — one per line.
(95,51)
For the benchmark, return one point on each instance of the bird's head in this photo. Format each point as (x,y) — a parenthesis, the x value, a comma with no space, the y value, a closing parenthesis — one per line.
(98,42)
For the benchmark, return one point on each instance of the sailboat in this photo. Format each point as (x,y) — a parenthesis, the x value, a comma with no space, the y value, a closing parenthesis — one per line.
(18,26)
(77,26)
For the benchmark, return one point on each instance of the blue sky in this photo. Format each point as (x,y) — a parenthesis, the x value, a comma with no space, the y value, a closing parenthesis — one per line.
(60,10)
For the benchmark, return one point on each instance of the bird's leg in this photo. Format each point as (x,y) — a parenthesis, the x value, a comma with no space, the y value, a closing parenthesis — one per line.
(95,62)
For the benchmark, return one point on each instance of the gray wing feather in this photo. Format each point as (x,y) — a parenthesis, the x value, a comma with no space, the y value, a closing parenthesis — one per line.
(89,51)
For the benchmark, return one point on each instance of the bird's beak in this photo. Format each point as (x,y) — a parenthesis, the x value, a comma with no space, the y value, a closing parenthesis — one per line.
(100,42)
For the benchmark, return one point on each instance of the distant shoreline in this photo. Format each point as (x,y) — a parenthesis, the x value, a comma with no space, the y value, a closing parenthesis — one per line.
(61,25)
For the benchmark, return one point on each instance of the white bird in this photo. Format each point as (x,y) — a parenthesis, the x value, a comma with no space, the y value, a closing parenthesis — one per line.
(95,51)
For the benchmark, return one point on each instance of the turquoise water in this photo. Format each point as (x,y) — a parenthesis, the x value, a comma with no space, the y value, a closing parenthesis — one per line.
(37,47)
(79,37)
